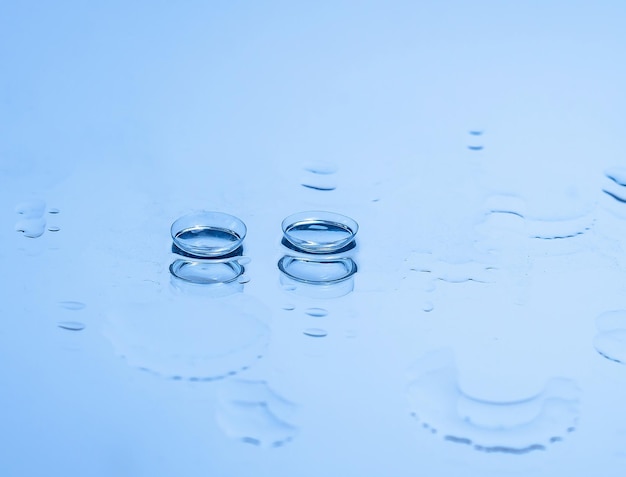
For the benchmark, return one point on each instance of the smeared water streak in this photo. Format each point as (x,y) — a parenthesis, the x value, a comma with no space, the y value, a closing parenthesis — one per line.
(252,412)
(517,427)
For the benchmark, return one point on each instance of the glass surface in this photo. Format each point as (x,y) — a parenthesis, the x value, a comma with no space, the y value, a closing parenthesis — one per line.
(479,145)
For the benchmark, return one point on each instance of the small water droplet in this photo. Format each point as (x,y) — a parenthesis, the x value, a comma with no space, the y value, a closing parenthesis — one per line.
(316,312)
(71,325)
(54,228)
(31,209)
(289,307)
(475,148)
(315,332)
(72,305)
(428,306)
(321,186)
(475,132)
(53,210)
(320,167)
(288,287)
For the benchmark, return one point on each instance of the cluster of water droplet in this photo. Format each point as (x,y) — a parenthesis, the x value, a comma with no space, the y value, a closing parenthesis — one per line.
(32,222)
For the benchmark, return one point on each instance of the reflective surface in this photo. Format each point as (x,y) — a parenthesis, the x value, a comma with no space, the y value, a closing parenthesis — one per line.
(478,145)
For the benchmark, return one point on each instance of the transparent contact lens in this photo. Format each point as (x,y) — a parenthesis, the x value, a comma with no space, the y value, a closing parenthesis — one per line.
(318,231)
(208,234)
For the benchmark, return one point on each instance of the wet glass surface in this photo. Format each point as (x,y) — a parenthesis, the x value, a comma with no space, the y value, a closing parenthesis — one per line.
(477,324)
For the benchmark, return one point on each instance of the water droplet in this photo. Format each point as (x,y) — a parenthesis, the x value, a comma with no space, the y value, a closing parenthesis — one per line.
(428,306)
(31,228)
(610,341)
(315,332)
(316,312)
(475,132)
(289,307)
(54,228)
(288,287)
(475,148)
(323,183)
(617,196)
(71,325)
(194,338)
(72,305)
(513,427)
(320,167)
(319,232)
(207,272)
(53,210)
(252,412)
(617,175)
(31,209)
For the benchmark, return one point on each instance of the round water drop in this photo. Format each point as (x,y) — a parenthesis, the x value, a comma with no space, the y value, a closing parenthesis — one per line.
(71,325)
(315,332)
(53,228)
(72,305)
(316,312)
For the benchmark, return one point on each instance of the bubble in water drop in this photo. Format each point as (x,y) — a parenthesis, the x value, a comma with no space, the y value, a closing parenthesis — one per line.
(252,412)
(610,341)
(31,228)
(54,228)
(315,332)
(71,325)
(31,209)
(511,427)
(316,312)
(72,305)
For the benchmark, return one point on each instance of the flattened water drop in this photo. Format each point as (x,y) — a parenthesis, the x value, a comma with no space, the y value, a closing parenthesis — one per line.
(252,412)
(31,228)
(72,305)
(71,325)
(289,307)
(610,341)
(324,186)
(315,332)
(475,148)
(53,228)
(516,427)
(316,312)
(31,209)
(53,210)
(320,167)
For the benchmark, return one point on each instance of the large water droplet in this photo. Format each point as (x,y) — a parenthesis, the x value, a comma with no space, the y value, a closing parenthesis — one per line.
(252,412)
(513,427)
(193,338)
